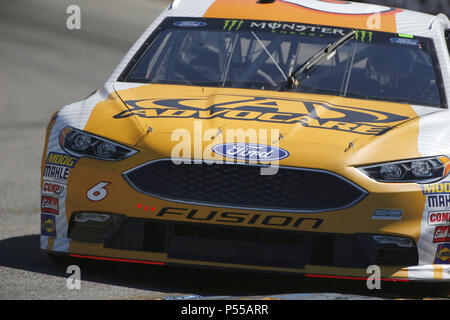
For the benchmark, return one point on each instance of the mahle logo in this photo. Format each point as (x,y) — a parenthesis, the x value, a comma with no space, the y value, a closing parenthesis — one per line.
(233,25)
(364,36)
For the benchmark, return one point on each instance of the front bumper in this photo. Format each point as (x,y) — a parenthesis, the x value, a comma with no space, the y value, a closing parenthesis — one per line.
(331,243)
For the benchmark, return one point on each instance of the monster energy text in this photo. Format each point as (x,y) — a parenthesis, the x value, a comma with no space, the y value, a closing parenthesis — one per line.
(295,27)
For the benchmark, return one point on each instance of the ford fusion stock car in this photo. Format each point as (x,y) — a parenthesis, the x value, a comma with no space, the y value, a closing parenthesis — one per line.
(304,137)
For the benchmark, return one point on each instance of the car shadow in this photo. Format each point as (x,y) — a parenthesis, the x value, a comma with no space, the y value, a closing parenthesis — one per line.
(23,253)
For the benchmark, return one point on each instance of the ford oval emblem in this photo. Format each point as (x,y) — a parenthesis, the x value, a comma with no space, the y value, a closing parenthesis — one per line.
(190,24)
(250,152)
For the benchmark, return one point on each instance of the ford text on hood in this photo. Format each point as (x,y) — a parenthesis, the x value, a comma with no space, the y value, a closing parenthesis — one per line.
(311,145)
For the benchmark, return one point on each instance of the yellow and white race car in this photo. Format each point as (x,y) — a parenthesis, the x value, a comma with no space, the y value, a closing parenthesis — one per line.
(297,136)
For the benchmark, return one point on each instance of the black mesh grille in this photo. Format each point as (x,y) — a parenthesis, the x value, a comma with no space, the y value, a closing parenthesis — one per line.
(243,186)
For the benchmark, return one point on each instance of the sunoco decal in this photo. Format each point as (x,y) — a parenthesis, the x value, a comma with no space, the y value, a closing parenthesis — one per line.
(443,254)
(312,114)
(250,152)
(48,225)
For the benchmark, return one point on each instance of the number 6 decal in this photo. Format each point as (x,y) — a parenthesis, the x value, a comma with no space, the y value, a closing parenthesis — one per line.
(98,192)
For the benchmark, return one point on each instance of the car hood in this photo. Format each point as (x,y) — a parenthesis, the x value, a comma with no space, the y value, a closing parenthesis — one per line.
(309,125)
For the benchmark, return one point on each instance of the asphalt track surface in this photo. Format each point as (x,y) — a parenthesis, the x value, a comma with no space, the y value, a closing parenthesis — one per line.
(43,66)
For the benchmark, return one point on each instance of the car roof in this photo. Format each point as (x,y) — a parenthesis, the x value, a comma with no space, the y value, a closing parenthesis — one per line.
(335,13)
(326,12)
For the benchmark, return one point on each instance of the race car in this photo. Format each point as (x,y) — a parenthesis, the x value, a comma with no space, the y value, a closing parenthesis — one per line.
(291,136)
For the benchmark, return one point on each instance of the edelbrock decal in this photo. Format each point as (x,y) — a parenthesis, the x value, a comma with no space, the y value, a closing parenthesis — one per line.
(49,205)
(441,234)
(250,152)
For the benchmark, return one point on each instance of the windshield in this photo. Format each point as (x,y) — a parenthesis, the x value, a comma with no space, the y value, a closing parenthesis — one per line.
(262,55)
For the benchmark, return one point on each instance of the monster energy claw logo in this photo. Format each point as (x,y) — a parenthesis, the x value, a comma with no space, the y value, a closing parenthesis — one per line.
(231,25)
(362,35)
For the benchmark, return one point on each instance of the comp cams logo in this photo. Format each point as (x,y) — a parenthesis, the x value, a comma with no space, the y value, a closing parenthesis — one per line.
(50,188)
(439,218)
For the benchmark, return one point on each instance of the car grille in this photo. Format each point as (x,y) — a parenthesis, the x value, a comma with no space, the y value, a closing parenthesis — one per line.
(243,186)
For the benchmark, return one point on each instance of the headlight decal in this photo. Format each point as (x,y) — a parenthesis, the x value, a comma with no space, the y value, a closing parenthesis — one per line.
(424,170)
(83,144)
